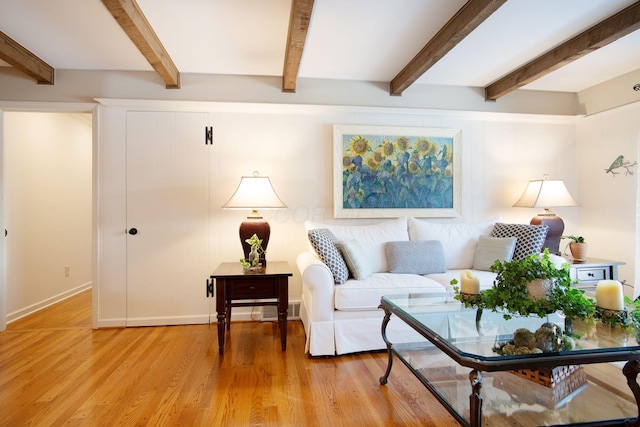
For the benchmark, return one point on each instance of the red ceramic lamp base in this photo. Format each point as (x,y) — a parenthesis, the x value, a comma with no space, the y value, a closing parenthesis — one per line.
(556,228)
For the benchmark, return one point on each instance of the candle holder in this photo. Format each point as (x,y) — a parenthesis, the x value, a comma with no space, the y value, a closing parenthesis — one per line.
(612,316)
(470,299)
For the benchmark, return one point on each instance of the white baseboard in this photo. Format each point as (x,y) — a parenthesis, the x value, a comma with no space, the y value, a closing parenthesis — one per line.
(119,322)
(168,321)
(33,308)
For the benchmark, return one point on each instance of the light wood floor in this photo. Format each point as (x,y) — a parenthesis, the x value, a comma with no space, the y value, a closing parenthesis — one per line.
(55,370)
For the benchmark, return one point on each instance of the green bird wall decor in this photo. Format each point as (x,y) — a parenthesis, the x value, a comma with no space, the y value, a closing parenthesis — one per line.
(619,163)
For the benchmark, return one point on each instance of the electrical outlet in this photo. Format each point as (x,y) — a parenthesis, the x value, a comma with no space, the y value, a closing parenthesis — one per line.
(67,271)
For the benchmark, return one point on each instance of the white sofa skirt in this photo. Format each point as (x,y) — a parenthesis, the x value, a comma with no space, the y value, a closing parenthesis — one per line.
(352,332)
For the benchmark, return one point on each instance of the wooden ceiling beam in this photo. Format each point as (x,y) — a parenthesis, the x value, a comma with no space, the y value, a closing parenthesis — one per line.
(299,21)
(467,19)
(130,17)
(16,55)
(619,25)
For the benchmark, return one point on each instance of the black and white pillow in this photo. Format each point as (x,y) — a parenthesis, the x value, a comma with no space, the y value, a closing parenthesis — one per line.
(530,238)
(324,243)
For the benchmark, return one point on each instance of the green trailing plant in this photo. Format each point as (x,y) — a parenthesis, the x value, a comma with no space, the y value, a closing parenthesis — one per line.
(510,295)
(254,255)
(634,311)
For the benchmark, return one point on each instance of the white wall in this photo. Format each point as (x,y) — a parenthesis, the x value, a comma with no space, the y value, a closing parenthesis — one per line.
(608,203)
(48,212)
(293,146)
(610,94)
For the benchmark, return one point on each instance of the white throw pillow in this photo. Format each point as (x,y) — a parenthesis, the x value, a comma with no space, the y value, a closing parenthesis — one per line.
(459,240)
(355,258)
(372,238)
(491,249)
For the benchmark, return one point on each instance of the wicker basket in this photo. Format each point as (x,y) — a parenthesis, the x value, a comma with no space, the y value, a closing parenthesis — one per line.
(545,376)
(550,396)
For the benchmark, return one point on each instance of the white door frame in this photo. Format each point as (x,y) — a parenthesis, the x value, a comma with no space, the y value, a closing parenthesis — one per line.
(50,107)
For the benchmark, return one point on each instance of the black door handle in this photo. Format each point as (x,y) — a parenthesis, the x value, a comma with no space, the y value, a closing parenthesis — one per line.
(133,231)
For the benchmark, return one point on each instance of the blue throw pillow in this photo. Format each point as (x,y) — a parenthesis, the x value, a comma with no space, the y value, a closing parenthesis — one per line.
(424,257)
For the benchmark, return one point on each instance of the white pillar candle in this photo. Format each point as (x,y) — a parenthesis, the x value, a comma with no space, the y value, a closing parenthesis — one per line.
(609,295)
(469,284)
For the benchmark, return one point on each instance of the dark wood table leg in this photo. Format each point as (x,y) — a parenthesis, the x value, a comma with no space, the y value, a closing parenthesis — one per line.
(631,370)
(475,398)
(222,313)
(283,307)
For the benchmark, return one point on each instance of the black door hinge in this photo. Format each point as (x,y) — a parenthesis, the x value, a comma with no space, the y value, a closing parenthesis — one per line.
(209,288)
(208,135)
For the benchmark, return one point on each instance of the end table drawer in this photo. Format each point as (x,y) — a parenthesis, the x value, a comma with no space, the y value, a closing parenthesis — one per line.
(592,274)
(253,289)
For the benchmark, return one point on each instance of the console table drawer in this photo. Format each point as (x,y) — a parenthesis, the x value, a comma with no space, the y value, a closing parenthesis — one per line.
(594,274)
(252,289)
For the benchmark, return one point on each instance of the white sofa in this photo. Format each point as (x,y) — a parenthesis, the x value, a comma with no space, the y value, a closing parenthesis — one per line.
(345,318)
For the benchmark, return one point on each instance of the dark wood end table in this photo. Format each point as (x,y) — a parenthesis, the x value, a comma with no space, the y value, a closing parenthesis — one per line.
(233,284)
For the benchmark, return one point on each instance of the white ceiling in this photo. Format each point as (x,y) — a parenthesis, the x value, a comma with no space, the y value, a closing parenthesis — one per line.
(368,40)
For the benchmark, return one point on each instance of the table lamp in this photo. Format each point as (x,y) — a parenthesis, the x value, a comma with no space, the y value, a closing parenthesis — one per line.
(547,193)
(254,192)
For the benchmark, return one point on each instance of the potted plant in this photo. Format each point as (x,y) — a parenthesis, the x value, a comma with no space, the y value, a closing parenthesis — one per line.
(256,253)
(577,246)
(511,292)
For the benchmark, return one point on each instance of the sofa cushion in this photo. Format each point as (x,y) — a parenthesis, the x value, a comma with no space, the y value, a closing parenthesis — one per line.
(415,257)
(372,238)
(366,294)
(459,240)
(324,243)
(355,258)
(490,249)
(530,237)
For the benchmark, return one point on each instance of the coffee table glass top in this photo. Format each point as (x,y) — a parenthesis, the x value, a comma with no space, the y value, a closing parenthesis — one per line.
(457,342)
(467,336)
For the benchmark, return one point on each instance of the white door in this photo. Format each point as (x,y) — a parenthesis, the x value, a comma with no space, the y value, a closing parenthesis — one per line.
(167,218)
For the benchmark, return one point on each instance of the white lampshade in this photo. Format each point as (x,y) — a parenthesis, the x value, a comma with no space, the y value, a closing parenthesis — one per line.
(545,193)
(254,192)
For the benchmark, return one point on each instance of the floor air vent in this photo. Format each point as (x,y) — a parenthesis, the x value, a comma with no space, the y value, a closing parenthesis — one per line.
(270,312)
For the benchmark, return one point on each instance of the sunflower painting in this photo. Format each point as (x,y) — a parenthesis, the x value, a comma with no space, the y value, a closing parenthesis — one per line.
(387,172)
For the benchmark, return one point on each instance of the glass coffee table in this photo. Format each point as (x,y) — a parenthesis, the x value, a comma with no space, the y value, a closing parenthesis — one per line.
(593,384)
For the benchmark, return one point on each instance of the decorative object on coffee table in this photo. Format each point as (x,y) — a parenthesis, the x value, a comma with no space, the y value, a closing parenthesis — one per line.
(610,302)
(510,295)
(547,193)
(563,383)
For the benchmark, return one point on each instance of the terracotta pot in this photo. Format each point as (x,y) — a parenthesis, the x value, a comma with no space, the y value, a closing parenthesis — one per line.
(578,251)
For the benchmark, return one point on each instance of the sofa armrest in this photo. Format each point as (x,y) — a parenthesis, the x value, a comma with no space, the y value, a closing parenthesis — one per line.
(317,286)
